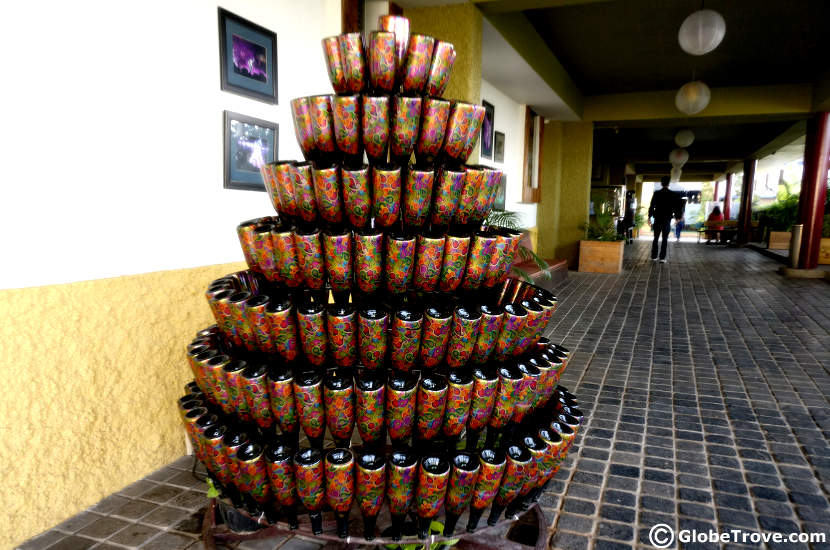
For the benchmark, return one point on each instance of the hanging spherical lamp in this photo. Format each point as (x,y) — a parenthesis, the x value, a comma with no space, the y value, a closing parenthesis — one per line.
(692,97)
(701,32)
(676,172)
(678,157)
(684,138)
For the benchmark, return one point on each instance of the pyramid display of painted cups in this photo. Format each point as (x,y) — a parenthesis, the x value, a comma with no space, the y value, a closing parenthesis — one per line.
(376,335)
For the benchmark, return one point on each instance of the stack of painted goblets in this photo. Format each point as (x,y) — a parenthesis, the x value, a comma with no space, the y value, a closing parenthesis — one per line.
(378,301)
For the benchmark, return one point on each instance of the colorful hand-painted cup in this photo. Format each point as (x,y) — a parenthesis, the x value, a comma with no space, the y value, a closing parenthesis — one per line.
(357,198)
(370,485)
(431,402)
(253,473)
(264,257)
(418,61)
(510,380)
(373,323)
(285,253)
(338,251)
(311,485)
(370,393)
(383,64)
(405,339)
(339,471)
(464,472)
(433,478)
(386,194)
(443,58)
(278,460)
(473,180)
(400,258)
(283,408)
(459,399)
(507,241)
(401,397)
(520,466)
(375,127)
(454,262)
(311,320)
(402,474)
(233,441)
(303,127)
(462,121)
(417,194)
(327,192)
(368,259)
(465,326)
(310,257)
(532,328)
(406,118)
(486,194)
(473,131)
(549,464)
(354,64)
(213,370)
(283,326)
(322,123)
(308,396)
(217,462)
(434,117)
(446,193)
(492,319)
(338,397)
(256,394)
(435,335)
(515,317)
(236,304)
(346,118)
(536,448)
(482,401)
(481,250)
(284,173)
(429,258)
(341,325)
(334,63)
(304,191)
(492,464)
(400,27)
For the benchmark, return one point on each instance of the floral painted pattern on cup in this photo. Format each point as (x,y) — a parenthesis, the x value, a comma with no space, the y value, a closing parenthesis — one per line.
(236,303)
(281,395)
(527,391)
(436,113)
(338,249)
(461,120)
(465,327)
(256,394)
(405,340)
(339,471)
(492,466)
(382,61)
(312,325)
(515,317)
(354,66)
(356,195)
(459,399)
(506,396)
(264,257)
(554,445)
(532,328)
(283,329)
(371,486)
(368,255)
(303,127)
(217,461)
(342,331)
(372,326)
(485,386)
(375,126)
(537,448)
(473,180)
(418,61)
(234,384)
(220,305)
(447,193)
(281,475)
(386,192)
(269,178)
(400,257)
(433,478)
(245,232)
(304,191)
(401,394)
(334,63)
(519,467)
(443,58)
(339,402)
(346,112)
(255,311)
(428,263)
(285,251)
(213,369)
(417,195)
(284,174)
(431,402)
(308,473)
(473,131)
(322,123)
(308,396)
(371,399)
(402,473)
(310,257)
(253,474)
(327,193)
(463,476)
(492,181)
(455,259)
(405,123)
(482,249)
(398,25)
(435,337)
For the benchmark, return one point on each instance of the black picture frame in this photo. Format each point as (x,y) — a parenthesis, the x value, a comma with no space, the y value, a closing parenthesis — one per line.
(239,40)
(487,130)
(244,150)
(501,194)
(498,147)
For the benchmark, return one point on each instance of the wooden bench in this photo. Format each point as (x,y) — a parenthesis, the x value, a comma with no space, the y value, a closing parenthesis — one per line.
(728,233)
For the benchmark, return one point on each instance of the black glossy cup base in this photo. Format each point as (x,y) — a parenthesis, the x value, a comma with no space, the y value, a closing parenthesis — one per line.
(450,520)
(369,524)
(473,519)
(495,514)
(316,522)
(342,524)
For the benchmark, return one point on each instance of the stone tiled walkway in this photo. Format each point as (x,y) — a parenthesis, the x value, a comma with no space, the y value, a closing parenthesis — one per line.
(705,382)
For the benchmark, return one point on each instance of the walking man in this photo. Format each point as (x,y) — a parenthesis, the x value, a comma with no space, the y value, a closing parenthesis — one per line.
(665,205)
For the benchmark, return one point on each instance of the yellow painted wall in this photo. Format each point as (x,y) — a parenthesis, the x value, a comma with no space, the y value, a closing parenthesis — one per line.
(567,148)
(90,375)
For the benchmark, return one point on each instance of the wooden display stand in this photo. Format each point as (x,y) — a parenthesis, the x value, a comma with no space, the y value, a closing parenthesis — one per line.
(601,256)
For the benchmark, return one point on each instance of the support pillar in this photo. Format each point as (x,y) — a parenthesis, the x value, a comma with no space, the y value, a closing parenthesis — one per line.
(745,213)
(813,189)
(727,198)
(715,194)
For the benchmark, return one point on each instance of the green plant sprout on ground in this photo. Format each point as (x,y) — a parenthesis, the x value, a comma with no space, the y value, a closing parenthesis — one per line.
(436,528)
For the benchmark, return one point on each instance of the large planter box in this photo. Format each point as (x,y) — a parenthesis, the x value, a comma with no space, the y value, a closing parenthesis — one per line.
(779,240)
(824,252)
(601,256)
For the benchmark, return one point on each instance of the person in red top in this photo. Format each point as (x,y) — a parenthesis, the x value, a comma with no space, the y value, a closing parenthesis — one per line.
(715,216)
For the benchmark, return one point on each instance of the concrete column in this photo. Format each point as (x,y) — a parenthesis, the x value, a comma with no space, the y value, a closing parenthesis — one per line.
(715,194)
(745,213)
(727,199)
(813,189)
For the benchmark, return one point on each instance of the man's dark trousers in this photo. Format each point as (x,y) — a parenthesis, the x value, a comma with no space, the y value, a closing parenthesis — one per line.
(661,227)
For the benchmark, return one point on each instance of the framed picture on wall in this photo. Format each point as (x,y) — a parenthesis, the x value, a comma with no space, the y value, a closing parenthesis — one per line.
(498,147)
(249,143)
(247,58)
(487,131)
(501,193)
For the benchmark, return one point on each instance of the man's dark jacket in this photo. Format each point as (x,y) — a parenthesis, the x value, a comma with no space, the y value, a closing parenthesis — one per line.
(665,205)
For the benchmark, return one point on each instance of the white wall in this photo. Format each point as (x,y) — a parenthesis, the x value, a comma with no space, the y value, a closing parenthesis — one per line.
(510,120)
(112,140)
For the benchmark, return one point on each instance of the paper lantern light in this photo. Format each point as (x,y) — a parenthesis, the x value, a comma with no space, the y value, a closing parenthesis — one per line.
(678,157)
(676,172)
(701,32)
(684,138)
(692,97)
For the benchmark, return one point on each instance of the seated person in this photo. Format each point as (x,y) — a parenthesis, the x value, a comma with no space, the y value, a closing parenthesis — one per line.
(715,216)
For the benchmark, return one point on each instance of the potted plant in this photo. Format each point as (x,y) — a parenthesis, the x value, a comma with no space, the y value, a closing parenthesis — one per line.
(640,220)
(602,249)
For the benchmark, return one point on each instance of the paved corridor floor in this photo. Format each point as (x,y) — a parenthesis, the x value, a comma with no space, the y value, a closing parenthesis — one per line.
(705,382)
